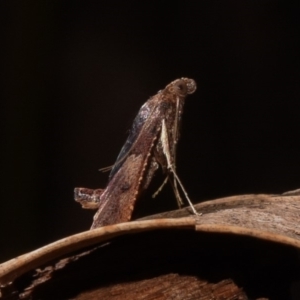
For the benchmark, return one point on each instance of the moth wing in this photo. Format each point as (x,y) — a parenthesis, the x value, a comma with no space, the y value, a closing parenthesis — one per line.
(136,129)
(117,201)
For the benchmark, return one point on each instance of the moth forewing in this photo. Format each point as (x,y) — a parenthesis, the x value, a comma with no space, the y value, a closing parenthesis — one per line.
(140,126)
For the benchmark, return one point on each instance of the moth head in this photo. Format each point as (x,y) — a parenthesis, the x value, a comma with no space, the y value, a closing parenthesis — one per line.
(182,87)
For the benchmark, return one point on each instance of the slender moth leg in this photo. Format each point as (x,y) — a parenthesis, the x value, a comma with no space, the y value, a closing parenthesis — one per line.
(165,146)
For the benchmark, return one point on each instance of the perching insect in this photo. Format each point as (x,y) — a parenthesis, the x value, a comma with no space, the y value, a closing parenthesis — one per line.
(152,142)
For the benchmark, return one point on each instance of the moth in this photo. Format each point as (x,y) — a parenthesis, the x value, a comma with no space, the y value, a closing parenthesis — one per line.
(151,143)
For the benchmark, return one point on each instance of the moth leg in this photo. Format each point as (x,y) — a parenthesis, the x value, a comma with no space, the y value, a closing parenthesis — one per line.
(161,187)
(165,146)
(176,191)
(88,198)
(161,157)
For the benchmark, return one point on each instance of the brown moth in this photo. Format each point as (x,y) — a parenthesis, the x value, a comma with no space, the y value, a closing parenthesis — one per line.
(152,142)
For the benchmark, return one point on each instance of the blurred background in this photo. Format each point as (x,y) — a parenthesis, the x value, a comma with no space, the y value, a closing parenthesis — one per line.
(75,73)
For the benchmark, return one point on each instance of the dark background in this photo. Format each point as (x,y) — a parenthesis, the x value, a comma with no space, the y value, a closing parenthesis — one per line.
(75,73)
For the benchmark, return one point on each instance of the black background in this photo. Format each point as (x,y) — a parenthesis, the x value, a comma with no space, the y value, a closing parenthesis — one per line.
(75,73)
